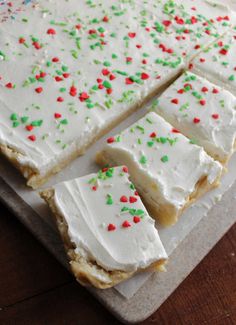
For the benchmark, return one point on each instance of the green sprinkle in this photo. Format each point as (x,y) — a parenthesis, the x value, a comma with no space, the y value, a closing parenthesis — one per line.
(231,78)
(65,121)
(37,123)
(164,159)
(109,199)
(107,84)
(24,119)
(143,160)
(14,117)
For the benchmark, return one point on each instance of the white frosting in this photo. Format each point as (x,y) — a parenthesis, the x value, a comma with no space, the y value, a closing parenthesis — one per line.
(164,165)
(136,38)
(218,63)
(201,111)
(88,215)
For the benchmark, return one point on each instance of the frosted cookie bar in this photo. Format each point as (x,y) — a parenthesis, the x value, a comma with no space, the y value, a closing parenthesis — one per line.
(107,232)
(217,62)
(69,72)
(168,170)
(203,112)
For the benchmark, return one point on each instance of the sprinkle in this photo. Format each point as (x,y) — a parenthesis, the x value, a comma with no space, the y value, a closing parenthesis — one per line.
(123,199)
(164,158)
(109,200)
(39,90)
(175,101)
(57,115)
(111,140)
(145,76)
(202,102)
(204,89)
(125,169)
(223,51)
(196,120)
(9,85)
(143,160)
(32,138)
(215,91)
(126,224)
(29,127)
(215,116)
(60,99)
(175,130)
(136,219)
(51,31)
(131,35)
(153,135)
(111,227)
(132,199)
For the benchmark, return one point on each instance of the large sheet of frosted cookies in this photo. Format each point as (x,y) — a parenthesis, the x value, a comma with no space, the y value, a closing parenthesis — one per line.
(70,70)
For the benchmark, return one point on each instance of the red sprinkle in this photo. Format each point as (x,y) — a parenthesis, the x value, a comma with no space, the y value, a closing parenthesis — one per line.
(29,127)
(55,59)
(128,81)
(175,130)
(204,89)
(9,85)
(215,116)
(58,79)
(132,35)
(123,199)
(105,19)
(111,140)
(57,115)
(94,188)
(145,76)
(21,40)
(78,26)
(125,169)
(166,23)
(83,96)
(39,90)
(215,91)
(111,227)
(73,91)
(202,60)
(175,101)
(126,224)
(136,219)
(51,31)
(223,51)
(60,99)
(202,102)
(196,120)
(32,137)
(153,135)
(132,199)
(112,76)
(105,72)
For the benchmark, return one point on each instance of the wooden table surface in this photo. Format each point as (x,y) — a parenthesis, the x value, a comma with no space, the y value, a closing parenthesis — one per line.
(36,289)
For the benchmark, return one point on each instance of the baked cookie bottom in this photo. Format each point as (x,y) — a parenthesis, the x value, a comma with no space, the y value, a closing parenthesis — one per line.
(35,179)
(88,272)
(164,213)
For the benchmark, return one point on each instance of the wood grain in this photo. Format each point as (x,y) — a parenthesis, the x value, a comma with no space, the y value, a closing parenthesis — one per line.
(35,288)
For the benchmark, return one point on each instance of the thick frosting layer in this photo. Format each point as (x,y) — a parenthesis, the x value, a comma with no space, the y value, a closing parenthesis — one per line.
(164,165)
(201,111)
(217,62)
(107,221)
(69,68)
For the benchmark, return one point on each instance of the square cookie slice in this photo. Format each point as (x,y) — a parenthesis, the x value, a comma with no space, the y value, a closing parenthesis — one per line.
(217,62)
(107,232)
(168,170)
(203,112)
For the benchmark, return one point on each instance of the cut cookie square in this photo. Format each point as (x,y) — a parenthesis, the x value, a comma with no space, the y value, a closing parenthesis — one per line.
(217,62)
(168,170)
(203,112)
(71,71)
(107,232)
